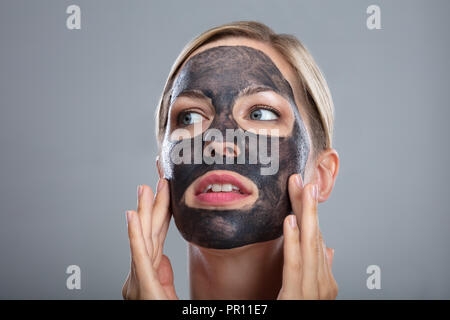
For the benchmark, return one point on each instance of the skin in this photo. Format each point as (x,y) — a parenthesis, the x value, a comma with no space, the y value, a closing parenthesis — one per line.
(218,74)
(296,265)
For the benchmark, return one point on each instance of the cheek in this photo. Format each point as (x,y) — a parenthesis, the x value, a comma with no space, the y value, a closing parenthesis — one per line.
(293,154)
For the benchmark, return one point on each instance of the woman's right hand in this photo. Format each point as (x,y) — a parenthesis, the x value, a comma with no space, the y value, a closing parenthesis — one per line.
(151,274)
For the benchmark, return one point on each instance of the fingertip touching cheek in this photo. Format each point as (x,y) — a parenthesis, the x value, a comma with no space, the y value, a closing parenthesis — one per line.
(234,137)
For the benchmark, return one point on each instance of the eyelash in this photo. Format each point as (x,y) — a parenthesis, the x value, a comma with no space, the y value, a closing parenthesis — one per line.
(266,107)
(184,112)
(253,108)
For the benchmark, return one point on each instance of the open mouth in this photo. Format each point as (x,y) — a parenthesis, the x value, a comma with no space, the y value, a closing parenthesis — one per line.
(223,188)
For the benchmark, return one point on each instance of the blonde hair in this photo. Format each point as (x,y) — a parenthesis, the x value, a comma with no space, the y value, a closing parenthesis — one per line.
(319,104)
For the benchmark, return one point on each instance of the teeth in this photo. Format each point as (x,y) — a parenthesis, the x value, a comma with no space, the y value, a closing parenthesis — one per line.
(227,188)
(221,188)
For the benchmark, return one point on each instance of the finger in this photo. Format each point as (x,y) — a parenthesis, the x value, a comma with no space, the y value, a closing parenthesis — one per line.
(323,276)
(309,242)
(292,257)
(125,286)
(161,239)
(295,189)
(161,211)
(165,273)
(139,254)
(160,217)
(145,202)
(163,233)
(332,288)
(143,268)
(330,255)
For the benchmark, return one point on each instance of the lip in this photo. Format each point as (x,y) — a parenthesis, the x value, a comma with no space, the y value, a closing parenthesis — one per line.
(220,178)
(220,198)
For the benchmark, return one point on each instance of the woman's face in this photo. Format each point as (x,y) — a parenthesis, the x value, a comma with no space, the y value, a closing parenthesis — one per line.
(234,136)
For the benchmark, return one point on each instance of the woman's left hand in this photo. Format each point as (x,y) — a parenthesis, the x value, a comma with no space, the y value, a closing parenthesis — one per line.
(307,261)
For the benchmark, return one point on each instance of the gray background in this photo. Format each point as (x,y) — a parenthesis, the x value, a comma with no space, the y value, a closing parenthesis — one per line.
(77,137)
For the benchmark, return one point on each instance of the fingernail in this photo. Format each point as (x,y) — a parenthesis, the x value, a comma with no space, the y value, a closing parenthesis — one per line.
(293,221)
(139,190)
(298,181)
(128,216)
(160,185)
(315,192)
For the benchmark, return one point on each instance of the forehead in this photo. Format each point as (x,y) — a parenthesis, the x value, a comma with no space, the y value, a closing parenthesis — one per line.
(274,55)
(230,69)
(276,58)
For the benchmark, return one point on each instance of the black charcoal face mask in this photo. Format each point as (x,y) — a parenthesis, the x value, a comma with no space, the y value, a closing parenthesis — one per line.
(221,73)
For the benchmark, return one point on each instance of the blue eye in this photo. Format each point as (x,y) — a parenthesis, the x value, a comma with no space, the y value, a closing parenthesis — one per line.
(263,114)
(189,117)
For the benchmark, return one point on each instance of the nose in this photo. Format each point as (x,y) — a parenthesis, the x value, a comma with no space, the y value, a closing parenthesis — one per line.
(221,148)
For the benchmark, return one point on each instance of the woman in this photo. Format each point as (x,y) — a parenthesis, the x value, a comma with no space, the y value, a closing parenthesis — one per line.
(243,243)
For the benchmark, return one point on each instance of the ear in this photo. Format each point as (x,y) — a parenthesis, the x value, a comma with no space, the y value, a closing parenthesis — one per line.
(158,166)
(326,172)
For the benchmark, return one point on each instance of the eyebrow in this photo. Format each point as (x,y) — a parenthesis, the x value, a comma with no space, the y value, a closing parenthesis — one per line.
(253,89)
(248,91)
(196,94)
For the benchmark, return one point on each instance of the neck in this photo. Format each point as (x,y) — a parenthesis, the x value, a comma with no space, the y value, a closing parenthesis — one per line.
(250,272)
